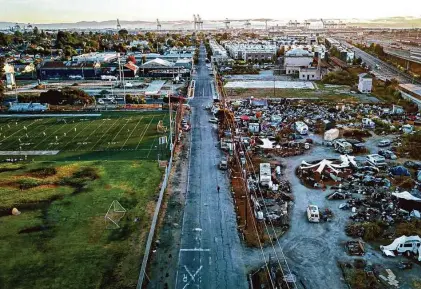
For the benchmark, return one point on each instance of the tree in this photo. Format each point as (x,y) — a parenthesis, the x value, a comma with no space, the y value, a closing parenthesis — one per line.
(280,52)
(65,96)
(36,30)
(123,33)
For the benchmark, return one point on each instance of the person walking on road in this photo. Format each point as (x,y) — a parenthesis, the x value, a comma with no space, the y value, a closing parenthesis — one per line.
(218,188)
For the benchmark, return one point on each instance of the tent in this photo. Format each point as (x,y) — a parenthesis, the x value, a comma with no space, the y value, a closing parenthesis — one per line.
(406,196)
(400,171)
(408,202)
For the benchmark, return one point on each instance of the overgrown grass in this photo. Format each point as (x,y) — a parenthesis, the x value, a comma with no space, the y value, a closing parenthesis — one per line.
(62,240)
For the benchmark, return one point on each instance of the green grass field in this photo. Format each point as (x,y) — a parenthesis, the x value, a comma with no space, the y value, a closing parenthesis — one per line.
(61,239)
(124,135)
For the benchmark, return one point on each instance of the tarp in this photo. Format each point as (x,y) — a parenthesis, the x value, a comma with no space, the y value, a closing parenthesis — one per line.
(245,117)
(331,134)
(401,240)
(406,196)
(267,144)
(345,161)
(400,171)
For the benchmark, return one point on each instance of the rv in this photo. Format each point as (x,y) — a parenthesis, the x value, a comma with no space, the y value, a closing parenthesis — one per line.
(313,214)
(301,128)
(265,174)
(404,245)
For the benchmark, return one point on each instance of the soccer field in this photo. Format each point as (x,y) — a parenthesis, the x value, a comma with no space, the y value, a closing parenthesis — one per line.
(126,134)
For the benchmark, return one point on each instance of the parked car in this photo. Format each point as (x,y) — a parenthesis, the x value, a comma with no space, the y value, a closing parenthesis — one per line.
(223,164)
(413,165)
(385,143)
(388,154)
(213,120)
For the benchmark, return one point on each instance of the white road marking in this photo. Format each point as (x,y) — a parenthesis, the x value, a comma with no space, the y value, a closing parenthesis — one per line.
(195,250)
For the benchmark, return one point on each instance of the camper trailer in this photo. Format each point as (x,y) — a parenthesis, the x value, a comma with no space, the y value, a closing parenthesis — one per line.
(301,128)
(404,245)
(265,174)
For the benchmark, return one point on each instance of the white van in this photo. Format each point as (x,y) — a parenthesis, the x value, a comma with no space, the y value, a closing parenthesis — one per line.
(313,214)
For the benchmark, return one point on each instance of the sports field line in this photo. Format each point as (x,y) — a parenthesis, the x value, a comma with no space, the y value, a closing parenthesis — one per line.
(53,133)
(18,131)
(144,132)
(151,148)
(128,120)
(79,132)
(13,141)
(132,132)
(116,121)
(92,132)
(73,126)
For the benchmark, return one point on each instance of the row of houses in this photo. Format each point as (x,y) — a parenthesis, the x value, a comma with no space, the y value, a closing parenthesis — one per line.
(95,65)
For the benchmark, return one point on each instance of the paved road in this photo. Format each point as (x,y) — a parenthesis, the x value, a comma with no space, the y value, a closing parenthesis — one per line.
(386,71)
(211,252)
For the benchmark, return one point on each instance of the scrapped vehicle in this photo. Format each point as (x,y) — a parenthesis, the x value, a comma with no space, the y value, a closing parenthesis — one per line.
(342,146)
(376,160)
(223,164)
(387,154)
(385,143)
(413,165)
(313,214)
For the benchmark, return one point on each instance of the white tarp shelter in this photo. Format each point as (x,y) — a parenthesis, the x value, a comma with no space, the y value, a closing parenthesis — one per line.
(345,161)
(399,246)
(267,144)
(406,196)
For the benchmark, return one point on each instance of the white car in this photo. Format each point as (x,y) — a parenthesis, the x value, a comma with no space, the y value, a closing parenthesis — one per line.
(129,84)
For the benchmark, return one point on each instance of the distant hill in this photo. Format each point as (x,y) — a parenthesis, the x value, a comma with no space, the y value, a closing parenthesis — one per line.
(391,22)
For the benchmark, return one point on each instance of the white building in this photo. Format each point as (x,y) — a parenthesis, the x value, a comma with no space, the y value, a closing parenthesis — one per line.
(365,83)
(297,58)
(312,73)
(101,57)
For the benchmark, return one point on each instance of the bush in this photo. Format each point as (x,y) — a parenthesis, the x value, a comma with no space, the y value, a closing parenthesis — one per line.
(43,172)
(372,231)
(341,77)
(65,96)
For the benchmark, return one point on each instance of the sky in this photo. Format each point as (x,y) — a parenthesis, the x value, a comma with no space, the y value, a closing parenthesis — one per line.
(53,11)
